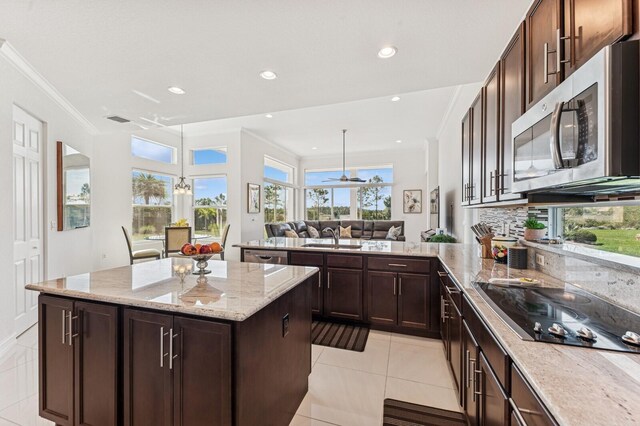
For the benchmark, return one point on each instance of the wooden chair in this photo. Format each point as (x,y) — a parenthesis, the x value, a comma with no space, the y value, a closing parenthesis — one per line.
(140,254)
(174,238)
(223,239)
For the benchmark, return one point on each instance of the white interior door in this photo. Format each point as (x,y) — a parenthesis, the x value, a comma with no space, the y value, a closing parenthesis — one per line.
(28,215)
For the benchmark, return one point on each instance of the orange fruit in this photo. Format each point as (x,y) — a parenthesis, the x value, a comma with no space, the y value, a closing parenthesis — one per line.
(215,247)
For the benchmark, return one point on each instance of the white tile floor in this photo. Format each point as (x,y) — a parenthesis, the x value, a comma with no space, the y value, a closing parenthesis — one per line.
(345,387)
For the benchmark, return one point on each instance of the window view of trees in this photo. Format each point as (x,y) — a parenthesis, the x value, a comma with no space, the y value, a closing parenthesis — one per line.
(375,201)
(152,203)
(318,207)
(210,205)
(278,202)
(614,228)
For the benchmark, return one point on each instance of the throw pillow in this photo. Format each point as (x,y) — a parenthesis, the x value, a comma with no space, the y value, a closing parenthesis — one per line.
(313,232)
(290,234)
(394,232)
(345,232)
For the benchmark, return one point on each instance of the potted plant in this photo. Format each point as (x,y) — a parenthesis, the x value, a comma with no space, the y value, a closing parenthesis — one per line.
(533,229)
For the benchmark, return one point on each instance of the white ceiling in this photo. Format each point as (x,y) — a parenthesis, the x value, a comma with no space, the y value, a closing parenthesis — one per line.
(97,53)
(372,124)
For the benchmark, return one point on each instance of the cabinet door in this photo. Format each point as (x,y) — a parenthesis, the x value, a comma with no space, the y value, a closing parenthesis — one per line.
(477,114)
(511,108)
(542,25)
(202,396)
(494,404)
(591,25)
(55,361)
(343,296)
(317,291)
(383,299)
(466,157)
(455,340)
(491,135)
(413,301)
(444,319)
(96,364)
(470,352)
(147,378)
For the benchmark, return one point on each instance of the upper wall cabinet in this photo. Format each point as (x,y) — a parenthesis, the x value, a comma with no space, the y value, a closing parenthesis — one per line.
(466,158)
(512,82)
(590,25)
(543,59)
(477,128)
(491,136)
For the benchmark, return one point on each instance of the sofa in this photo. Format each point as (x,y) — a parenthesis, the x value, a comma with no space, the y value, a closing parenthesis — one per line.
(360,229)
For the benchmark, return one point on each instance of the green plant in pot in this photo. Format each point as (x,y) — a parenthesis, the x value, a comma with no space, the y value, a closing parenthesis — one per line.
(533,229)
(442,238)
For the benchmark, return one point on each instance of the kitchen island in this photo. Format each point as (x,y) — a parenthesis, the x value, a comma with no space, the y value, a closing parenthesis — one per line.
(154,344)
(500,378)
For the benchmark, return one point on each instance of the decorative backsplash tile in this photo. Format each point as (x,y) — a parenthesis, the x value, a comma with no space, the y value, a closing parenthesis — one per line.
(512,218)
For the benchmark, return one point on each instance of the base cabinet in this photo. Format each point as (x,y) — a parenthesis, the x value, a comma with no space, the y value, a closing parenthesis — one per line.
(398,299)
(78,362)
(343,294)
(164,356)
(494,403)
(468,388)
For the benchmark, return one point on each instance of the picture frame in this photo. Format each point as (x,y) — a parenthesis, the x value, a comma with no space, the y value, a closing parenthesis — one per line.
(412,201)
(253,198)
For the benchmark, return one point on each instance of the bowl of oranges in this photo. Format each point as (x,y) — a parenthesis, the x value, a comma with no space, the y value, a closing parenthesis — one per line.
(201,253)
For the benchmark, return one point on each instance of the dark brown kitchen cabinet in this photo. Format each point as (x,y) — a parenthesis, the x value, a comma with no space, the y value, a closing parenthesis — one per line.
(512,84)
(413,301)
(164,379)
(317,290)
(466,157)
(451,329)
(398,299)
(78,362)
(343,294)
(491,136)
(477,115)
(526,408)
(470,354)
(493,402)
(383,299)
(542,54)
(590,25)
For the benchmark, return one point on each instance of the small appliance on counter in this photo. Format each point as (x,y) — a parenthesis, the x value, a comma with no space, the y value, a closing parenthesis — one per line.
(500,247)
(517,257)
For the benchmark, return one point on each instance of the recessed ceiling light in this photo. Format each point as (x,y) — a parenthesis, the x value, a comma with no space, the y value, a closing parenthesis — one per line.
(268,75)
(314,148)
(269,116)
(398,141)
(387,52)
(395,99)
(176,90)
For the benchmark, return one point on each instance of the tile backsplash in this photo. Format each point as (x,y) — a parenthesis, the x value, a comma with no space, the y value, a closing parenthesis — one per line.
(511,218)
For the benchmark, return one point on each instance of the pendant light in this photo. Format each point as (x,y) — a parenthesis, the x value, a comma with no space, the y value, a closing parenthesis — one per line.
(182,187)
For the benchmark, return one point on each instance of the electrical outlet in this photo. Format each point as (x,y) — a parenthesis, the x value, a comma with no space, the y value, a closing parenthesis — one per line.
(539,259)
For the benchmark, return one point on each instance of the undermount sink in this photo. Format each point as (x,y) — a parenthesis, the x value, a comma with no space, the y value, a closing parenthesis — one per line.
(333,246)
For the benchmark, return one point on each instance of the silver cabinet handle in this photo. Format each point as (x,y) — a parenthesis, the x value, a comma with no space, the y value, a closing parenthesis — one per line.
(319,280)
(171,355)
(71,335)
(400,287)
(516,412)
(64,326)
(545,59)
(399,265)
(162,354)
(444,309)
(467,357)
(559,60)
(328,280)
(477,382)
(491,184)
(394,285)
(442,274)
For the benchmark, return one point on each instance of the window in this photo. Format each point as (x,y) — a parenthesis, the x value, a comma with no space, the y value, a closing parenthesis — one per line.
(152,203)
(208,156)
(613,229)
(154,151)
(210,205)
(279,191)
(326,199)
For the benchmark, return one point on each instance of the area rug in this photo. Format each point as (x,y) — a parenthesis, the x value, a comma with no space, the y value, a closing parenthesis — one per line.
(341,336)
(399,413)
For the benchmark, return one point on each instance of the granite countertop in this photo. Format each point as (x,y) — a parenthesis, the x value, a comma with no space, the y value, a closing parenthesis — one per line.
(579,386)
(233,291)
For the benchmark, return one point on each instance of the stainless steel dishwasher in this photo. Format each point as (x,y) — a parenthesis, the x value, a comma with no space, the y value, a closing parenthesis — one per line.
(266,256)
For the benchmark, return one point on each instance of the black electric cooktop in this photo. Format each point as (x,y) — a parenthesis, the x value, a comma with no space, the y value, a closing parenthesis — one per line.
(580,318)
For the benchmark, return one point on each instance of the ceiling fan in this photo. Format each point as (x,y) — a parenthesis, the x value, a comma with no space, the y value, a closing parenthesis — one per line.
(344,177)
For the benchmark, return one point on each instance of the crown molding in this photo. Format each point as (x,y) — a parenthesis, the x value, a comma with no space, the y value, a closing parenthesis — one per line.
(269,142)
(21,64)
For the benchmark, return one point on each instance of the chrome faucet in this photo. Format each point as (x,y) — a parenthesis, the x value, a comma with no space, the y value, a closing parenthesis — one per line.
(336,237)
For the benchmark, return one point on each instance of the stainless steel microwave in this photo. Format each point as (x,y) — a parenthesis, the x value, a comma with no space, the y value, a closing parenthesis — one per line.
(584,136)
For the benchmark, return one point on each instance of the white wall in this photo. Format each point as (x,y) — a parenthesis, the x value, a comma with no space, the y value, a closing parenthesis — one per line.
(409,172)
(69,252)
(450,164)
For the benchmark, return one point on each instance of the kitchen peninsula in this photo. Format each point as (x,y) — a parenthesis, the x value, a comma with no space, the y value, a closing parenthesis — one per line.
(500,377)
(152,343)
